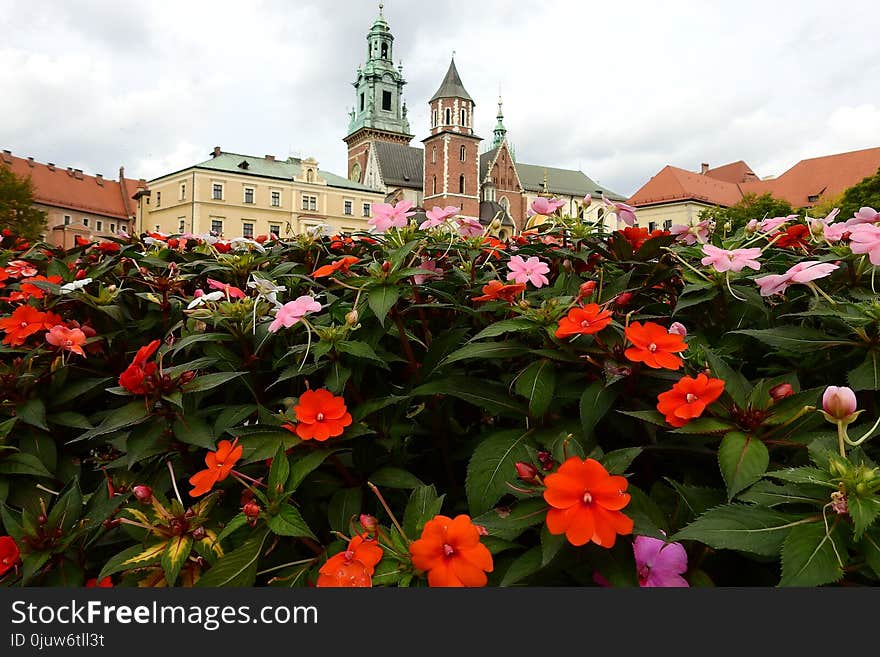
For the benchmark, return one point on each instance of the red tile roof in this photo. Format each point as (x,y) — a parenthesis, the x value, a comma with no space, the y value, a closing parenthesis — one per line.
(74,190)
(725,185)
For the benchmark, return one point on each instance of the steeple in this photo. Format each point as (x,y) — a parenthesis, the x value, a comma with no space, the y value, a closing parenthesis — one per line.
(452,86)
(500,131)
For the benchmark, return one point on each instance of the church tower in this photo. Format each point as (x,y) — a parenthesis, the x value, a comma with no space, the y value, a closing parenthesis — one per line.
(452,159)
(379,113)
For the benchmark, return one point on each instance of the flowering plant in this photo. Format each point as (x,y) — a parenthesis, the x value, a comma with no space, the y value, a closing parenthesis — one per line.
(427,404)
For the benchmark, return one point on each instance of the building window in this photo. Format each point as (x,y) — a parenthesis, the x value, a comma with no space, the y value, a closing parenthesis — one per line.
(157,228)
(652,226)
(461,184)
(667,224)
(310,175)
(462,154)
(434,184)
(433,118)
(249,195)
(384,50)
(448,116)
(600,213)
(276,199)
(217,226)
(309,202)
(181,224)
(99,225)
(505,203)
(362,102)
(366,209)
(113,228)
(85,221)
(67,220)
(217,191)
(812,198)
(182,191)
(386,101)
(348,207)
(275,229)
(158,199)
(247,229)
(433,155)
(463,117)
(124,228)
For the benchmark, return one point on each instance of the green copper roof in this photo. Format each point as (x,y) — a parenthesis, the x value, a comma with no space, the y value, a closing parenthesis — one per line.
(500,130)
(452,86)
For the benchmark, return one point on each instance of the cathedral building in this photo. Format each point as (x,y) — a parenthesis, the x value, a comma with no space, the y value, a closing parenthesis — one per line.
(449,168)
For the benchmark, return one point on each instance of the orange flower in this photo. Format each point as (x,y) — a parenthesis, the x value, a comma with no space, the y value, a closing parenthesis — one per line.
(334,267)
(106,583)
(320,415)
(219,464)
(654,346)
(586,503)
(352,568)
(688,398)
(25,321)
(583,321)
(451,553)
(498,291)
(66,338)
(494,247)
(27,289)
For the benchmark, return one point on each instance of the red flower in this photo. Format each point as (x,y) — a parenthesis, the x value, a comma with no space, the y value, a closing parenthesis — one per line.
(135,377)
(231,291)
(494,247)
(222,246)
(334,267)
(20,269)
(795,236)
(108,247)
(450,551)
(24,322)
(106,583)
(688,398)
(654,346)
(219,464)
(320,415)
(81,241)
(352,568)
(583,321)
(498,291)
(586,503)
(338,242)
(9,554)
(28,290)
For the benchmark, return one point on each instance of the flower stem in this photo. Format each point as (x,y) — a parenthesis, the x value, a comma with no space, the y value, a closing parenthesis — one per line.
(841,438)
(387,509)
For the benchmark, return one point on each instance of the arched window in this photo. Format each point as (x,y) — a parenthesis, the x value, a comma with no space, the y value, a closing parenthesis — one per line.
(448,117)
(601,213)
(505,203)
(463,117)
(356,172)
(461,184)
(433,118)
(384,50)
(462,154)
(434,184)
(310,175)
(433,155)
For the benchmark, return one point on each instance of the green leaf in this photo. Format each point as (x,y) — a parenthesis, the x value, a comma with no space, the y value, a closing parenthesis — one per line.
(804,475)
(125,416)
(69,419)
(696,498)
(185,342)
(205,382)
(484,350)
(193,430)
(391,477)
(809,557)
(743,460)
(742,527)
(136,556)
(175,555)
(525,565)
(303,464)
(236,523)
(867,375)
(424,504)
(796,339)
(870,546)
(509,523)
(236,568)
(651,417)
(698,297)
(550,545)
(23,464)
(596,401)
(73,391)
(537,383)
(289,522)
(344,505)
(617,461)
(67,509)
(766,493)
(32,563)
(705,425)
(492,466)
(278,473)
(380,299)
(33,412)
(361,350)
(735,384)
(863,511)
(505,326)
(372,405)
(485,395)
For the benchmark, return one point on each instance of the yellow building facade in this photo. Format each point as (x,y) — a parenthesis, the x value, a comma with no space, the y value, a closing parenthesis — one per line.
(237,195)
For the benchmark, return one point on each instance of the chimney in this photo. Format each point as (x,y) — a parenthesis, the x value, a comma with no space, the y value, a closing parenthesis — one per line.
(217,151)
(78,174)
(51,166)
(99,178)
(30,162)
(121,173)
(704,168)
(7,156)
(70,171)
(271,158)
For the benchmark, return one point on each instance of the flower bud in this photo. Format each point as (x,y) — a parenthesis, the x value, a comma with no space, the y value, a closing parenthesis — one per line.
(586,289)
(781,391)
(526,471)
(623,299)
(198,533)
(368,522)
(351,317)
(143,493)
(251,509)
(839,404)
(677,328)
(386,266)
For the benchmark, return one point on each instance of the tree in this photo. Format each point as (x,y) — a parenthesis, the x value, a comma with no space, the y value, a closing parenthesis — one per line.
(751,206)
(17,212)
(865,193)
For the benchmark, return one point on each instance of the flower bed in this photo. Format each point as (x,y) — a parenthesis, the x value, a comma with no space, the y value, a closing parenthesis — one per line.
(428,405)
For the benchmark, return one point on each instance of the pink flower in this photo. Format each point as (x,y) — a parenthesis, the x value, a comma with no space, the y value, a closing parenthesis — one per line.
(660,564)
(68,339)
(723,260)
(438,215)
(865,238)
(385,216)
(626,213)
(430,265)
(588,199)
(543,205)
(293,311)
(691,234)
(835,232)
(468,227)
(532,271)
(839,402)
(769,225)
(230,290)
(864,216)
(678,328)
(803,272)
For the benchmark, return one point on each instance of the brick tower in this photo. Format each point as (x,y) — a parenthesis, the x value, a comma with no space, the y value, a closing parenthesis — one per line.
(452,159)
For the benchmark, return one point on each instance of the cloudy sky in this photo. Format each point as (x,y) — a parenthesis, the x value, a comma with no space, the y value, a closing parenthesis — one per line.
(617,89)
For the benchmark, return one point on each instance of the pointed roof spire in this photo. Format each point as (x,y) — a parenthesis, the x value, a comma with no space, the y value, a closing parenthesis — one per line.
(452,86)
(500,131)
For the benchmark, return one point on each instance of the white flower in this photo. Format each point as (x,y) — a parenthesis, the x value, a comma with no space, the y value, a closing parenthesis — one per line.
(67,288)
(266,289)
(210,296)
(245,243)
